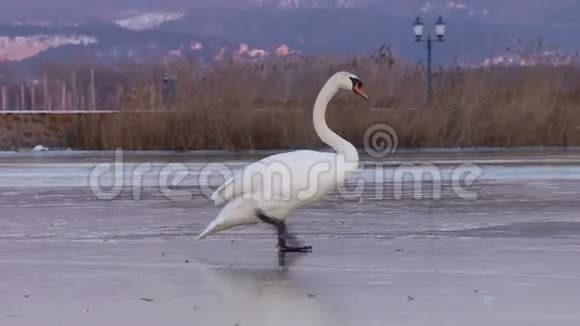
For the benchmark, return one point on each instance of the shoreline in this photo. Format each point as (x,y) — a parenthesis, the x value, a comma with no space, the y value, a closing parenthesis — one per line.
(438,156)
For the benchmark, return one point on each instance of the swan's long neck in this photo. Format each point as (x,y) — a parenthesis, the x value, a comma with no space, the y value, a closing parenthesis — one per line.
(329,137)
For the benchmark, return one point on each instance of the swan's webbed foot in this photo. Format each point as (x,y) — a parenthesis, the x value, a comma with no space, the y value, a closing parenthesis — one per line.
(282,235)
(304,249)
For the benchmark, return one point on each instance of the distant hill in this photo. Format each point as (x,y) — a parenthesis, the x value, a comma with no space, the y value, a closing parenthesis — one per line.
(340,31)
(107,43)
(529,12)
(477,29)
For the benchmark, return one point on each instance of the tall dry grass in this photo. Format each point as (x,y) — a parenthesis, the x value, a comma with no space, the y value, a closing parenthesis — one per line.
(233,105)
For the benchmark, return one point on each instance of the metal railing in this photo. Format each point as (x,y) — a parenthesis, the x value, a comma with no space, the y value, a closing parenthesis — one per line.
(82,92)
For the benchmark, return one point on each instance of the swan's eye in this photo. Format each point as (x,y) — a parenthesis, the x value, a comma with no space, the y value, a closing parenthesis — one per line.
(355,82)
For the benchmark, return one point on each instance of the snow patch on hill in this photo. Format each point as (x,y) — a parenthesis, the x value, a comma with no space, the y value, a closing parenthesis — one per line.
(453,7)
(19,48)
(146,21)
(294,4)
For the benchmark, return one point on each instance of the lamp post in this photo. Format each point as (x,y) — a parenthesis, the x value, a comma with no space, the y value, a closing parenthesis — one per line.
(418,29)
(168,91)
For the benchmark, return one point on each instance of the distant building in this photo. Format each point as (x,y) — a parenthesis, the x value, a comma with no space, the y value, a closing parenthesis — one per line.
(547,57)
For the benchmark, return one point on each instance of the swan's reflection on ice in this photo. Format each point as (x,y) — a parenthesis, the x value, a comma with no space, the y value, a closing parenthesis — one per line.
(261,296)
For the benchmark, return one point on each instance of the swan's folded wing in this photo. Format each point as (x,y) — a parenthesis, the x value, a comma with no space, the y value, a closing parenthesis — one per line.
(278,176)
(235,186)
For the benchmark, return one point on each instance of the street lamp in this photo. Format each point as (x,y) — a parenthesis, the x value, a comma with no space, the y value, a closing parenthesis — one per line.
(440,29)
(418,29)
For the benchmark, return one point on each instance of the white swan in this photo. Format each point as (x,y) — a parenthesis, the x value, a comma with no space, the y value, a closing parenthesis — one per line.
(271,189)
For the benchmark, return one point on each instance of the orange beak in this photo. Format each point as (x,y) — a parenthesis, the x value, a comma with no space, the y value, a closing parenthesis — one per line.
(358,90)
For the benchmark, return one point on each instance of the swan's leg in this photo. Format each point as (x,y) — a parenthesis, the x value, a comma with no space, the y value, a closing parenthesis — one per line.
(282,234)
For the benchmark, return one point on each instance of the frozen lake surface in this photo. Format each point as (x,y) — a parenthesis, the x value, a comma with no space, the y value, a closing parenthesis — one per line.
(509,257)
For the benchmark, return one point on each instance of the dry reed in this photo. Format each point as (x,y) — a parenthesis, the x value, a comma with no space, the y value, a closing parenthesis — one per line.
(235,105)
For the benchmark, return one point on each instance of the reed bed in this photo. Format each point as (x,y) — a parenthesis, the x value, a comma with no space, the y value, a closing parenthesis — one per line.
(267,105)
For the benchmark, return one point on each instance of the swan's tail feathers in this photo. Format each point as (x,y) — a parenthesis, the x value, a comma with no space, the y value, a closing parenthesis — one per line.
(212,228)
(235,213)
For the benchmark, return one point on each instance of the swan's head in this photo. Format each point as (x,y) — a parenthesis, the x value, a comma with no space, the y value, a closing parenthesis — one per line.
(348,81)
